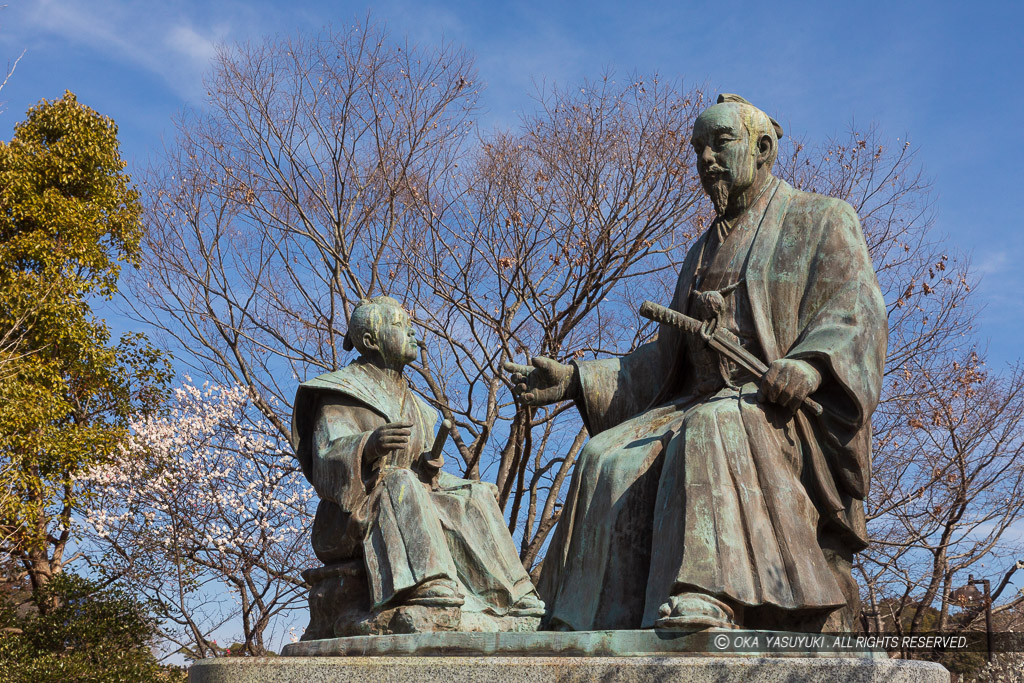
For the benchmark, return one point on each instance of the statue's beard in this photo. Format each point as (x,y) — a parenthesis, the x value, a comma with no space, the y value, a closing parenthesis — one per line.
(719,193)
(717,184)
(726,188)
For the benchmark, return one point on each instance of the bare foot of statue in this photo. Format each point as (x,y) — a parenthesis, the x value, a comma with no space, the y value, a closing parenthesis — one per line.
(435,593)
(694,611)
(530,605)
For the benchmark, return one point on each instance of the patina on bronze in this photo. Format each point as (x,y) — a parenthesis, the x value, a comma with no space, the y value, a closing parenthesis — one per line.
(706,495)
(406,547)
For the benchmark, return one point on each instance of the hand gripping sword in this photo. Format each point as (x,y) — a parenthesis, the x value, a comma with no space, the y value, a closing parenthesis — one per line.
(716,339)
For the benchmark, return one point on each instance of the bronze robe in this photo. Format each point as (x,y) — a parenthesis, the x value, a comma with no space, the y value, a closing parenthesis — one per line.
(689,487)
(405,532)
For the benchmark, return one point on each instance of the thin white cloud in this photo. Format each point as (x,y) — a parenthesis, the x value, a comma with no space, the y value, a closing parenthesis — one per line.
(154,38)
(993,263)
(187,42)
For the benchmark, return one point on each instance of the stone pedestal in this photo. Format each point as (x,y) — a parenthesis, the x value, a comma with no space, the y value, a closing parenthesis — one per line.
(704,656)
(564,670)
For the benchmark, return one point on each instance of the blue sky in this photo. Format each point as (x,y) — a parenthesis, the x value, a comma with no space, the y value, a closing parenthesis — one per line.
(947,75)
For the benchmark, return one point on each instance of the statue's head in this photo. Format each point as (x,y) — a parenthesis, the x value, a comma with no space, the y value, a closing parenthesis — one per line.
(736,145)
(381,330)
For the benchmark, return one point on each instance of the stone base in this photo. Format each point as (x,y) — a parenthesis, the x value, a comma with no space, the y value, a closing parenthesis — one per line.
(340,607)
(625,643)
(409,619)
(639,655)
(562,669)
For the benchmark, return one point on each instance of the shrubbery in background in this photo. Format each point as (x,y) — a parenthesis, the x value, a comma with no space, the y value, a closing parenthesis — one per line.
(90,633)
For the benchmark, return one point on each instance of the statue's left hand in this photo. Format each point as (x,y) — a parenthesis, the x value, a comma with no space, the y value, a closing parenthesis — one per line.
(788,382)
(429,469)
(433,466)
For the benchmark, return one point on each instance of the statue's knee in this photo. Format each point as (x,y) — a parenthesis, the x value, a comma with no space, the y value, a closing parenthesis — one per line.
(483,491)
(399,477)
(589,463)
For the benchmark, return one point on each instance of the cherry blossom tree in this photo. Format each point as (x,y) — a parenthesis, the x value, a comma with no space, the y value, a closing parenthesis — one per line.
(205,512)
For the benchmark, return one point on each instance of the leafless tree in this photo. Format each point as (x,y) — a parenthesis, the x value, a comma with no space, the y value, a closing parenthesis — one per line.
(288,199)
(333,167)
(946,498)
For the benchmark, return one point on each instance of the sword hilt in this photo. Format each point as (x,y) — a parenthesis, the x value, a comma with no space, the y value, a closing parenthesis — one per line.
(442,436)
(662,314)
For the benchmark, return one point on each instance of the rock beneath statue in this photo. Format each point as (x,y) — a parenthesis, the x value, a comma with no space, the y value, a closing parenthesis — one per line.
(408,619)
(339,606)
(339,599)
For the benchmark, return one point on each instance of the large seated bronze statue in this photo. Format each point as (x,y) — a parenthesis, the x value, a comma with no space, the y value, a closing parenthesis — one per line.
(707,495)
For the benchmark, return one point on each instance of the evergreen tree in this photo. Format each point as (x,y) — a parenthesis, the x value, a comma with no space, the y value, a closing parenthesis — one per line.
(69,219)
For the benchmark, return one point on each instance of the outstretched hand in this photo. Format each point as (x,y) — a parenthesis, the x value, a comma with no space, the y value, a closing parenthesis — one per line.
(542,382)
(383,440)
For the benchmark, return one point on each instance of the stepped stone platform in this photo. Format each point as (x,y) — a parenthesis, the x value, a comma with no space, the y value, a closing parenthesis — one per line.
(627,656)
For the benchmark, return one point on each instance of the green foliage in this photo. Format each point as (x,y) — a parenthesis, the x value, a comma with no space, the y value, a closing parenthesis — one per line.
(93,634)
(69,219)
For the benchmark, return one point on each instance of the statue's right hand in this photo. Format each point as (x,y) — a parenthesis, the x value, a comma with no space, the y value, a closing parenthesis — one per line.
(542,382)
(383,440)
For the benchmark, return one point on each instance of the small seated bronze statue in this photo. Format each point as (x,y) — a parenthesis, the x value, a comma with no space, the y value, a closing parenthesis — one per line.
(394,531)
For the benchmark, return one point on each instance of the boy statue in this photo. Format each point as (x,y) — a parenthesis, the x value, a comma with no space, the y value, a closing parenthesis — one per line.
(426,539)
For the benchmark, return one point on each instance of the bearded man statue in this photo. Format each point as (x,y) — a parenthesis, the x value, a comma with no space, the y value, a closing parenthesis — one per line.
(708,496)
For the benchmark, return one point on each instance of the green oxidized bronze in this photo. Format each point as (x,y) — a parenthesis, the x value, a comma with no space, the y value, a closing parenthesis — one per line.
(729,459)
(406,547)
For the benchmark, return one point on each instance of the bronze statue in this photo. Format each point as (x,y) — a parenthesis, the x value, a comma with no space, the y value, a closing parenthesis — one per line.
(729,459)
(388,517)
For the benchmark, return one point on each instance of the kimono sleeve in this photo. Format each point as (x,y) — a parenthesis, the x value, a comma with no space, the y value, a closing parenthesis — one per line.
(341,429)
(844,327)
